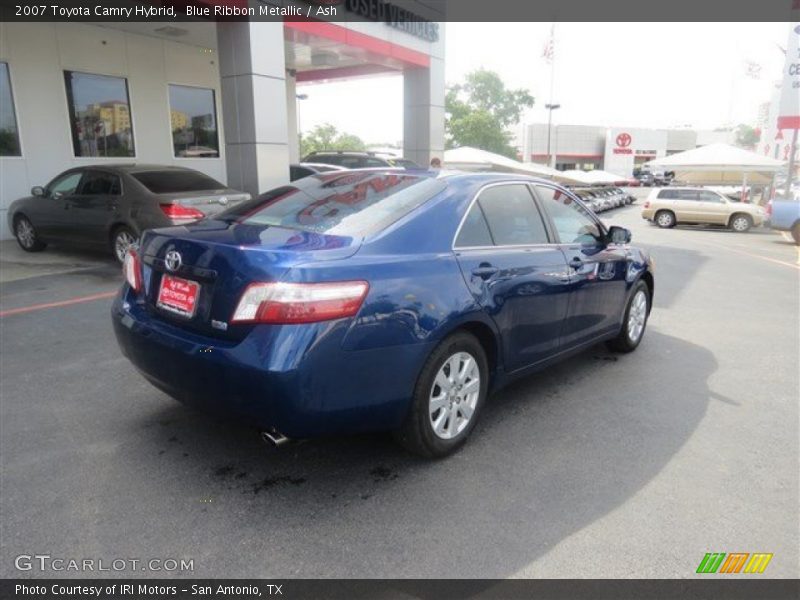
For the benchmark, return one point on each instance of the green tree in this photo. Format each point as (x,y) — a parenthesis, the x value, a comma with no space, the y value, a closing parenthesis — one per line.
(747,136)
(480,111)
(327,137)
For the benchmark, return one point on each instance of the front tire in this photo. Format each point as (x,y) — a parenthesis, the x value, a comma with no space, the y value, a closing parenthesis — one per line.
(665,219)
(26,235)
(634,321)
(448,397)
(741,223)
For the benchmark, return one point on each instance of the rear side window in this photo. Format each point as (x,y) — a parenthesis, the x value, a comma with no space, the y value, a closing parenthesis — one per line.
(100,184)
(474,232)
(176,181)
(512,216)
(347,204)
(667,194)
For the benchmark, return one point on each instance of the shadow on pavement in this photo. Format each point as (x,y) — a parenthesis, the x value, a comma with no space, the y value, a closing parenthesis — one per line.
(551,455)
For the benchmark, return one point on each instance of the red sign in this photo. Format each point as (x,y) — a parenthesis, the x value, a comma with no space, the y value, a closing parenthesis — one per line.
(624,140)
(178,295)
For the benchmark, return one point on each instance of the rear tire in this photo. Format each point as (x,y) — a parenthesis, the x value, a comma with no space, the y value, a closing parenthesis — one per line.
(26,235)
(122,239)
(448,397)
(665,219)
(634,322)
(741,223)
(796,233)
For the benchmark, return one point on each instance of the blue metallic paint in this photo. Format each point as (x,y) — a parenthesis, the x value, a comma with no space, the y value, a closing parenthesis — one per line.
(359,374)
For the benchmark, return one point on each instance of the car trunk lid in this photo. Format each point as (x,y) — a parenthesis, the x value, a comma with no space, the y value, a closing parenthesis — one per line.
(219,260)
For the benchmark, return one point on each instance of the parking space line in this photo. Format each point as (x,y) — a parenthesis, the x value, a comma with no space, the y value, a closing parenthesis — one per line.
(767,258)
(61,303)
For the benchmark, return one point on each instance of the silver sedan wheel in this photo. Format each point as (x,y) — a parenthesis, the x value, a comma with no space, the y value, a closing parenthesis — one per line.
(740,224)
(637,316)
(25,233)
(454,395)
(122,243)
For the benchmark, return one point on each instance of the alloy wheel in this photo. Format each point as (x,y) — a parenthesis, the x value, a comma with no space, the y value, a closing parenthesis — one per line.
(454,395)
(25,233)
(741,224)
(664,219)
(122,243)
(637,315)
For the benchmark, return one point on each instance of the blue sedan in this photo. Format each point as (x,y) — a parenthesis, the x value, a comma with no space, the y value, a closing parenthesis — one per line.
(378,300)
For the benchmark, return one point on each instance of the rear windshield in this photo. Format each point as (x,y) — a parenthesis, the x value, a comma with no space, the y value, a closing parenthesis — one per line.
(173,182)
(350,204)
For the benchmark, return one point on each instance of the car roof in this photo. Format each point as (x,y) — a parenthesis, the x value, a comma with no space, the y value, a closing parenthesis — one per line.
(135,167)
(465,177)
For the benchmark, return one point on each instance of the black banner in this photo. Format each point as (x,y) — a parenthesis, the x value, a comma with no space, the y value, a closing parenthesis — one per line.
(602,589)
(400,12)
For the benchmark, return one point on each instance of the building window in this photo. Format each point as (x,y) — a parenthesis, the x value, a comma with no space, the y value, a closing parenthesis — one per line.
(9,135)
(99,114)
(193,115)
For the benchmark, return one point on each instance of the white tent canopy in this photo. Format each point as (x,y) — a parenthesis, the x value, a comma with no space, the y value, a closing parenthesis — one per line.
(473,159)
(719,163)
(596,177)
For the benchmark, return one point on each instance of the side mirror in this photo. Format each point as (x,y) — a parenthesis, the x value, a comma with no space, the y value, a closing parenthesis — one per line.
(37,190)
(619,235)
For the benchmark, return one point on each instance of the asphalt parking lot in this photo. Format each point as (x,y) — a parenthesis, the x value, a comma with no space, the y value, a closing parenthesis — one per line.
(605,466)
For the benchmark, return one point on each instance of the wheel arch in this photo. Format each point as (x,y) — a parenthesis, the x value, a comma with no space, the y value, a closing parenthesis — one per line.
(487,336)
(650,282)
(116,225)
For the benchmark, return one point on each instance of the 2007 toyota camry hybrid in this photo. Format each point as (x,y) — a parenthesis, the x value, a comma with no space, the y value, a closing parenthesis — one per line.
(377,300)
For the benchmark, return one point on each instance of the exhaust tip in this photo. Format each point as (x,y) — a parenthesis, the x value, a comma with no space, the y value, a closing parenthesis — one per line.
(275,438)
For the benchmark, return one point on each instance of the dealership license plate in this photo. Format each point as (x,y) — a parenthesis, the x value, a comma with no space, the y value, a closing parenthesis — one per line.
(178,295)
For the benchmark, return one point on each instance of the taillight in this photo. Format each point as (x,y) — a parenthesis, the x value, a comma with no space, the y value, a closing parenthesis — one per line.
(769,208)
(179,212)
(132,269)
(287,303)
(647,204)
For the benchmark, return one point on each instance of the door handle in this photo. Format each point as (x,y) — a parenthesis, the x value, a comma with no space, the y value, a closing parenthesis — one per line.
(485,271)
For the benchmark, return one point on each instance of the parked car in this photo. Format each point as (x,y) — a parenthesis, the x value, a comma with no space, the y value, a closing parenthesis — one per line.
(360,160)
(784,215)
(326,307)
(646,178)
(668,207)
(300,170)
(111,205)
(348,160)
(404,163)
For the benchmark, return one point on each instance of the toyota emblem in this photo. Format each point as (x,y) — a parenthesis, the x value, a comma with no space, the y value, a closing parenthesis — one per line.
(173,260)
(624,140)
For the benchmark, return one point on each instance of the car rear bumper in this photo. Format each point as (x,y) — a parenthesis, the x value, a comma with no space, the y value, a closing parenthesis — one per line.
(298,381)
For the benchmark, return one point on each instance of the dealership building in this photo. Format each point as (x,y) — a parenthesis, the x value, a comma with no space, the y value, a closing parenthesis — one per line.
(618,150)
(219,97)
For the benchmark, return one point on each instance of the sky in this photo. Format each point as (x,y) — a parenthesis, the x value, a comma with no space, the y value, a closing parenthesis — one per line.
(608,74)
